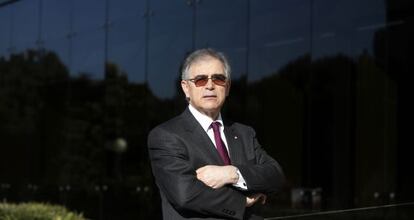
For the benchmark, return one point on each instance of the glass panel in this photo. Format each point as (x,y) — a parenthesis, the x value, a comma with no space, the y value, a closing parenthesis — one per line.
(126,38)
(333,21)
(399,67)
(278,67)
(330,104)
(89,39)
(32,93)
(126,10)
(20,93)
(125,96)
(25,28)
(88,54)
(367,18)
(56,28)
(7,115)
(168,45)
(88,15)
(5,26)
(330,28)
(223,25)
(279,35)
(56,19)
(375,109)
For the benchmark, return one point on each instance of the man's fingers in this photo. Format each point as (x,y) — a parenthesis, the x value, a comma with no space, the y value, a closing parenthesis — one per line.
(261,197)
(213,176)
(202,169)
(255,198)
(264,197)
(199,170)
(199,176)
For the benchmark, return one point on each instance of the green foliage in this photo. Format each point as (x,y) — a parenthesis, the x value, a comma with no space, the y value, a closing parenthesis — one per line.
(36,211)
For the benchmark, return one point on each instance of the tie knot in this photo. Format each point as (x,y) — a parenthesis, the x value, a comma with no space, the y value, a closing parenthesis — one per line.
(215,125)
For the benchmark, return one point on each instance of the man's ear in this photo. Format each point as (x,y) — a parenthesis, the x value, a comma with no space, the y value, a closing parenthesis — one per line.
(184,86)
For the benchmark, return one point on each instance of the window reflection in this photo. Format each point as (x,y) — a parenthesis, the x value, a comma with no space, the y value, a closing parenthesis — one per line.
(227,22)
(275,42)
(88,42)
(88,15)
(5,26)
(56,28)
(25,28)
(87,54)
(126,38)
(321,81)
(56,19)
(168,44)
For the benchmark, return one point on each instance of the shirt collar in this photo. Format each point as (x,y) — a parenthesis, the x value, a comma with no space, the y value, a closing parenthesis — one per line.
(204,120)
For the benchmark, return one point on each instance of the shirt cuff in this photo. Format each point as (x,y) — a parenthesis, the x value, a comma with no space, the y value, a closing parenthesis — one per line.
(241,183)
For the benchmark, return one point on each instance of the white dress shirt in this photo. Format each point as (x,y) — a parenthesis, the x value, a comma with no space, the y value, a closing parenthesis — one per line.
(205,123)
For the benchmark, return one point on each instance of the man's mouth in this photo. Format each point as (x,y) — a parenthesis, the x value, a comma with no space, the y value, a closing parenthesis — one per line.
(209,96)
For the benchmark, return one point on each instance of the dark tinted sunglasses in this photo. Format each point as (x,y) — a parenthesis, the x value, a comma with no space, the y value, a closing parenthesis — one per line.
(201,80)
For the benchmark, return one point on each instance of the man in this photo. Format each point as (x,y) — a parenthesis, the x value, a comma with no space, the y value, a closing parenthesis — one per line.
(206,167)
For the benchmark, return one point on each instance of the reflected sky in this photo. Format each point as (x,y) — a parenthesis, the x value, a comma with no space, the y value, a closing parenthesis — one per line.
(259,37)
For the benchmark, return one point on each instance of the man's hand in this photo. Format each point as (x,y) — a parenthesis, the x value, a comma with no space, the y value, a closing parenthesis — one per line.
(251,200)
(217,176)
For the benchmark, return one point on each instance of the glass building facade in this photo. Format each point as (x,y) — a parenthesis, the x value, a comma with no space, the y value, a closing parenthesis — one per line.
(324,83)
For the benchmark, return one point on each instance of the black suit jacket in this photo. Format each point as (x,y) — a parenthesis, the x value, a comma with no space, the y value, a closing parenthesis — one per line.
(178,147)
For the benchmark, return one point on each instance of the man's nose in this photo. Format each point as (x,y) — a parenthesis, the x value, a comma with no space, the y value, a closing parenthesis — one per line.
(210,84)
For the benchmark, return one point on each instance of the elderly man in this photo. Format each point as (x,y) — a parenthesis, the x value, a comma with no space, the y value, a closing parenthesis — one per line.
(207,167)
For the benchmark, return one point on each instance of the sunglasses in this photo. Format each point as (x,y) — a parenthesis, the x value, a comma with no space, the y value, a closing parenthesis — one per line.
(201,80)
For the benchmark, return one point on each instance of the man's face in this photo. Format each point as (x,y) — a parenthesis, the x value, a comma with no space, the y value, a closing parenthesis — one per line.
(207,99)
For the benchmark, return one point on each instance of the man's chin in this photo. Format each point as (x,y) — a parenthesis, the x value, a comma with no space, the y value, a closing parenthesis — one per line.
(210,110)
(212,106)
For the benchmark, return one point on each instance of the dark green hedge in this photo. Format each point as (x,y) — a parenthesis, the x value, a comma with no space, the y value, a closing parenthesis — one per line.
(36,211)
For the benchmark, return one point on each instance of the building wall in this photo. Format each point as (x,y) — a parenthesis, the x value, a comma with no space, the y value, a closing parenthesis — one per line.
(323,82)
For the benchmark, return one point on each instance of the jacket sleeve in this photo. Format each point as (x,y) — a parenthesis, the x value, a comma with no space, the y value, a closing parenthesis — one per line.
(176,179)
(262,173)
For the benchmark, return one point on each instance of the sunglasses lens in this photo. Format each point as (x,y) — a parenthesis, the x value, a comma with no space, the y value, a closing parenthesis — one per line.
(200,81)
(219,80)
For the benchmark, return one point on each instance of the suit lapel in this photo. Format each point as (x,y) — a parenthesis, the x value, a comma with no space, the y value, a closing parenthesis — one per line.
(199,137)
(233,142)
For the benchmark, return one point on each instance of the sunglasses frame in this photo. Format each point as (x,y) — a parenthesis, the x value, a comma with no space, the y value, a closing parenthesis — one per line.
(202,80)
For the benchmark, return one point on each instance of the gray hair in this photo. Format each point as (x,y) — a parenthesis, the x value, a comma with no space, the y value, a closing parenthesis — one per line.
(201,54)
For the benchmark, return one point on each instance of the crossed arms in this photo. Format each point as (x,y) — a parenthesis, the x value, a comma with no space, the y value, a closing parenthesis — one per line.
(208,189)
